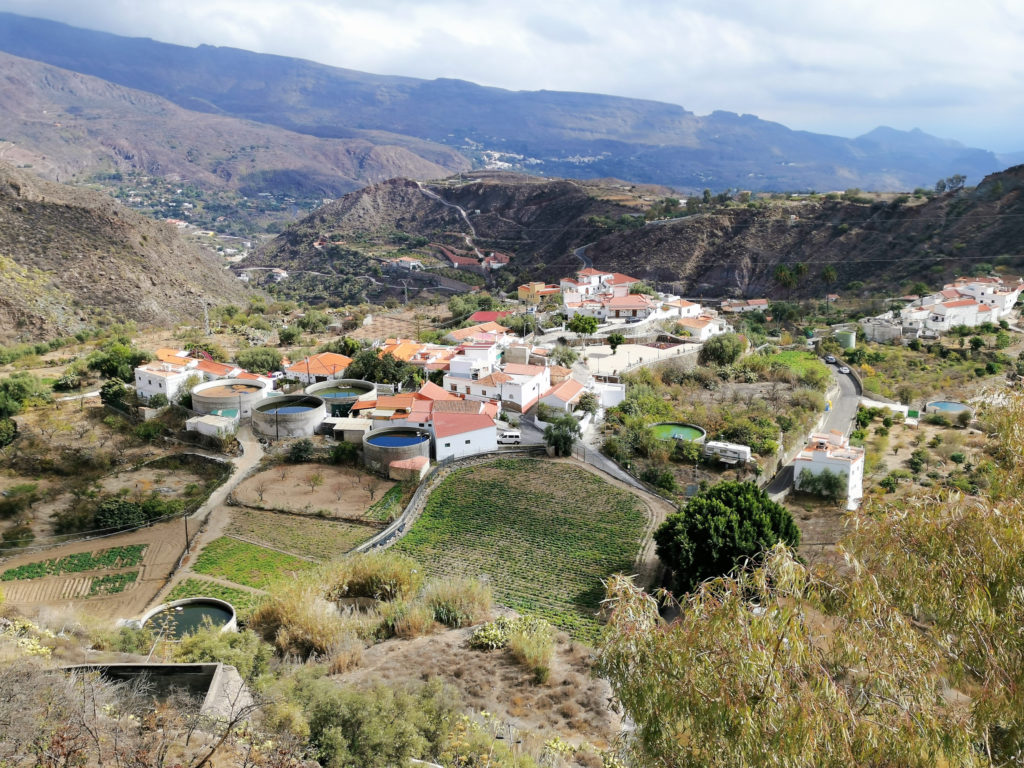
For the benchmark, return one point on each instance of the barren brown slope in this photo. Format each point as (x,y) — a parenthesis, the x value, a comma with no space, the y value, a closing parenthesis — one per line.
(68,126)
(537,221)
(70,258)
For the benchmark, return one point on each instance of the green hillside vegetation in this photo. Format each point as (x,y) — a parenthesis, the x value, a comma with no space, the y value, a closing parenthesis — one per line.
(911,654)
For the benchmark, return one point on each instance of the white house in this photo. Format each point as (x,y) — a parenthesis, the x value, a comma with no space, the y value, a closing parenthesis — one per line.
(704,327)
(325,366)
(834,453)
(517,387)
(682,308)
(564,396)
(745,305)
(463,434)
(160,378)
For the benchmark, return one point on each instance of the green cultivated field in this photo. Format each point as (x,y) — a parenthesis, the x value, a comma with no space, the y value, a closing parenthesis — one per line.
(115,557)
(544,533)
(248,564)
(306,536)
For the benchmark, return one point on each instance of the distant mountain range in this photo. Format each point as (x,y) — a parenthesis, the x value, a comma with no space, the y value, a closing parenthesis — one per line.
(576,135)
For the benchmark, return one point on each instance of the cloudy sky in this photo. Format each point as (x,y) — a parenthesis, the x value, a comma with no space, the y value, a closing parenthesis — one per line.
(954,69)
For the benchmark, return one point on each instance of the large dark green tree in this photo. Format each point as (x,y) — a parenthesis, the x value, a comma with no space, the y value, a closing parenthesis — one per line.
(724,349)
(719,529)
(369,365)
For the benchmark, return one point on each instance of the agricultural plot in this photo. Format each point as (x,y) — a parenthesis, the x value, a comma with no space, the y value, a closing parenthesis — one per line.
(306,536)
(248,564)
(544,534)
(112,583)
(115,557)
(243,600)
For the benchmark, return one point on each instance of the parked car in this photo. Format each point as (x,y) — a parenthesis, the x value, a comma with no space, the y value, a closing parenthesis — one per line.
(275,375)
(510,437)
(830,359)
(844,369)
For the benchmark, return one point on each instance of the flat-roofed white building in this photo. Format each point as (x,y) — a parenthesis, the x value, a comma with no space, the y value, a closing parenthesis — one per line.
(832,452)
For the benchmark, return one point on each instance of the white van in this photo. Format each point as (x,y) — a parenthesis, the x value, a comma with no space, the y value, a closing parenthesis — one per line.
(510,437)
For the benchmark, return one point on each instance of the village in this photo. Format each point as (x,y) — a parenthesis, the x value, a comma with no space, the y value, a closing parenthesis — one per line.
(208,482)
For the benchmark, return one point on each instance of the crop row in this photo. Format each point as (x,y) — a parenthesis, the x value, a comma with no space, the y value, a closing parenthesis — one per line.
(112,583)
(544,534)
(115,557)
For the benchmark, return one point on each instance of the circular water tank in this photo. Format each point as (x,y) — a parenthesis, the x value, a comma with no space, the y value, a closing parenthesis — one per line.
(341,394)
(382,446)
(289,416)
(238,394)
(179,617)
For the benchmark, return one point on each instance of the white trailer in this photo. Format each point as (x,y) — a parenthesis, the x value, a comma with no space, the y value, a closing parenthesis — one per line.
(727,453)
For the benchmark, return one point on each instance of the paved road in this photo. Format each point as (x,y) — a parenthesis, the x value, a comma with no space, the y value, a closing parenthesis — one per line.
(840,418)
(580,253)
(844,407)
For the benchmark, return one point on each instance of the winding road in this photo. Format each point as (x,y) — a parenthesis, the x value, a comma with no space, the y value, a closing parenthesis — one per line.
(471,237)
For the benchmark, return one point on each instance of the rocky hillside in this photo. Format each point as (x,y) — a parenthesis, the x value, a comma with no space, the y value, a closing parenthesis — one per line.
(736,251)
(540,221)
(68,126)
(71,258)
(731,251)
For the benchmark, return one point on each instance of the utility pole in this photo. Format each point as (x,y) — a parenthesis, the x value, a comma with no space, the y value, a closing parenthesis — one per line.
(206,318)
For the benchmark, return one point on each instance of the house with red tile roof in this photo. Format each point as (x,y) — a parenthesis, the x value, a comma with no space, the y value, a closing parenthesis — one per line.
(463,434)
(325,366)
(484,316)
(564,396)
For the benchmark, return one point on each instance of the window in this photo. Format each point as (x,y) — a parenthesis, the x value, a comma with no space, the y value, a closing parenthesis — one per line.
(467,442)
(447,445)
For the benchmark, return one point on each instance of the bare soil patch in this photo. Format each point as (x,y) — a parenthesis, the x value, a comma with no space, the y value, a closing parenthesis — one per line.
(402,325)
(343,492)
(573,704)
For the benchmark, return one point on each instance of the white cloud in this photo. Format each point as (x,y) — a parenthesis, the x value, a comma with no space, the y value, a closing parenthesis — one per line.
(842,67)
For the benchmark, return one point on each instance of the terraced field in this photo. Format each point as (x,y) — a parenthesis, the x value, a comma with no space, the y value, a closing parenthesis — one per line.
(304,536)
(543,533)
(248,564)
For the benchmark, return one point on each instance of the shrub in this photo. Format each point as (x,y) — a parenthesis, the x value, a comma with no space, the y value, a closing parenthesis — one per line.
(533,645)
(159,400)
(383,576)
(244,651)
(724,349)
(406,620)
(301,451)
(259,359)
(458,602)
(298,621)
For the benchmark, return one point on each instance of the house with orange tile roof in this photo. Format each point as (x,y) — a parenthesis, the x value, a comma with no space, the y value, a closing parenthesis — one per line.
(325,366)
(564,396)
(463,434)
(492,332)
(536,292)
(516,386)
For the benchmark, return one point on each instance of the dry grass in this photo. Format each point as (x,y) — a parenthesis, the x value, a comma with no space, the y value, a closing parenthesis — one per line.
(458,602)
(298,621)
(532,643)
(384,575)
(407,619)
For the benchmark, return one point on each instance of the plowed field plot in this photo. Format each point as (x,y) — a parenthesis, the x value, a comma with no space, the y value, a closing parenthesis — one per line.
(544,534)
(306,536)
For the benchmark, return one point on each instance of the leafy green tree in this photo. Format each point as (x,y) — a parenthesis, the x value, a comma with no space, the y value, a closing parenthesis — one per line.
(588,403)
(831,485)
(159,400)
(114,392)
(829,275)
(185,390)
(976,343)
(561,434)
(343,346)
(582,325)
(259,359)
(641,287)
(117,359)
(313,321)
(382,369)
(720,529)
(1002,339)
(724,349)
(615,340)
(564,355)
(289,335)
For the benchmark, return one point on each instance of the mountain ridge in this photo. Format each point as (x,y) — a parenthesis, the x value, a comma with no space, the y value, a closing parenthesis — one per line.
(559,134)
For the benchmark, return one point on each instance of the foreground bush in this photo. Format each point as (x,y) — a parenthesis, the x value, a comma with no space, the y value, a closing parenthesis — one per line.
(298,621)
(458,602)
(531,641)
(379,575)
